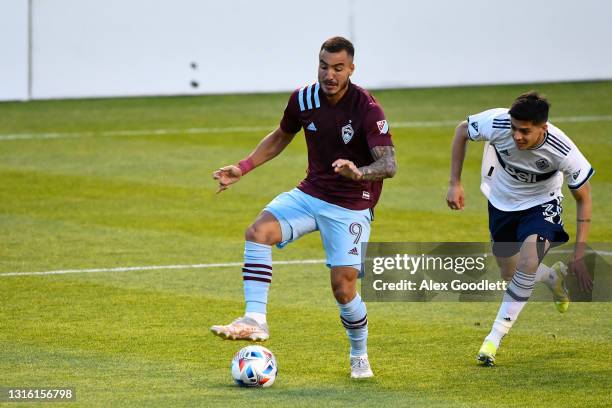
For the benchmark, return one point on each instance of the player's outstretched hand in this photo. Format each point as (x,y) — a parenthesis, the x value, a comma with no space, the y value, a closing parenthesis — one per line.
(455,198)
(347,169)
(579,269)
(227,176)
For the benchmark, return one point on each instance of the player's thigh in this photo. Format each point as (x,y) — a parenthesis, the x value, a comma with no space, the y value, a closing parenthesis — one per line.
(507,266)
(503,227)
(294,215)
(343,232)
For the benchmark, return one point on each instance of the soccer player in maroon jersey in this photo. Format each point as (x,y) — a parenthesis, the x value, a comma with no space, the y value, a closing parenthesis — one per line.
(350,152)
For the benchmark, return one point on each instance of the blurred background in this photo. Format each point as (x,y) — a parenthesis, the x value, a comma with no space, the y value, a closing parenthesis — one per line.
(104,48)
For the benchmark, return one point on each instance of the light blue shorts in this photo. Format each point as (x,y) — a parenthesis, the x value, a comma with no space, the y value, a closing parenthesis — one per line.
(342,230)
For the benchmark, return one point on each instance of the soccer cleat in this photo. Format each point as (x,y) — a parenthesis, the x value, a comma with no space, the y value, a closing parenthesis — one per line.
(486,355)
(360,367)
(243,328)
(559,291)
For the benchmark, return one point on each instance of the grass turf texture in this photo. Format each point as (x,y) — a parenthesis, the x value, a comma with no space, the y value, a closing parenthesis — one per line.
(141,337)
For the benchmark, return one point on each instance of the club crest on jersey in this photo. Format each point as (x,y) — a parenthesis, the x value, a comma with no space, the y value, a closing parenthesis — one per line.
(542,164)
(383,126)
(505,152)
(347,133)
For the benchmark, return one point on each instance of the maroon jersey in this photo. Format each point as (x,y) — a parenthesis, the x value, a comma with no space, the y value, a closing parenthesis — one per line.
(347,130)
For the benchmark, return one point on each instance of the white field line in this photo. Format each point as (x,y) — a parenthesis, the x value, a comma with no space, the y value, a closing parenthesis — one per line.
(444,123)
(203,266)
(144,132)
(155,268)
(247,129)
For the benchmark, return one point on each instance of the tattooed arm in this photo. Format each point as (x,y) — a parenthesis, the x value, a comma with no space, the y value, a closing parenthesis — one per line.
(384,166)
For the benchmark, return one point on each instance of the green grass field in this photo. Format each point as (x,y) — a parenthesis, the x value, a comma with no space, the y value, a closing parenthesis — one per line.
(77,192)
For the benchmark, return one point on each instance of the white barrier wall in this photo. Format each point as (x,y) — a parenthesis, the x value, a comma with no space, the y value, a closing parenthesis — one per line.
(439,42)
(90,48)
(13,49)
(145,47)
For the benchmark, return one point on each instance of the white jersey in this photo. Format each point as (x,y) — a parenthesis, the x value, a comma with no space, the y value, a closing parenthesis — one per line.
(521,179)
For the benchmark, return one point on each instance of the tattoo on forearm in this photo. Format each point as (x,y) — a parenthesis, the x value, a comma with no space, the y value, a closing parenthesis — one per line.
(384,165)
(583,220)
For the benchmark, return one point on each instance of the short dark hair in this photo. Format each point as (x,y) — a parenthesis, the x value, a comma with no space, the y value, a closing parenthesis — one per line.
(530,106)
(337,44)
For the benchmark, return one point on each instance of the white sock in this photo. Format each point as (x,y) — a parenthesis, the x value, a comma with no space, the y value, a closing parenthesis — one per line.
(546,275)
(516,296)
(256,276)
(496,336)
(258,317)
(354,318)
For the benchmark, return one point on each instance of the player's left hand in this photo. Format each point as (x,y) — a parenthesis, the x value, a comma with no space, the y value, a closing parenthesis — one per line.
(579,269)
(347,169)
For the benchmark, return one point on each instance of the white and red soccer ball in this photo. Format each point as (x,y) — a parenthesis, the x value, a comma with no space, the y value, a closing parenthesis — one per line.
(254,366)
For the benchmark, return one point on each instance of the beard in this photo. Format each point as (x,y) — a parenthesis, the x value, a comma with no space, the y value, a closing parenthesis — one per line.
(339,87)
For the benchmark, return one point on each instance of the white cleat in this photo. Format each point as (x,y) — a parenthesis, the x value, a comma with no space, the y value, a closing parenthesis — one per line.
(360,367)
(243,328)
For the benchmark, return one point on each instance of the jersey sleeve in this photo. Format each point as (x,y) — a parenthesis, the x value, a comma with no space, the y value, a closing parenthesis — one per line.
(290,123)
(480,125)
(376,127)
(576,168)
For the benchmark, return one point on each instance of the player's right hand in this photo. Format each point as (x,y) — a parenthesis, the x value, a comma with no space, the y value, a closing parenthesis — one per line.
(227,176)
(455,198)
(579,269)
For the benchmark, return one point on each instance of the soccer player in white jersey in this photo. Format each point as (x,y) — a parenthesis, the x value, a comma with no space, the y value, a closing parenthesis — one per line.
(524,193)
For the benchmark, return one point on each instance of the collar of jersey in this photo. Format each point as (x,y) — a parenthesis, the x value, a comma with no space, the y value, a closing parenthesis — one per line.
(541,144)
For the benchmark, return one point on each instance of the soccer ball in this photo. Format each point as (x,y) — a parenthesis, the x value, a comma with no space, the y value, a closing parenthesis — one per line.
(254,366)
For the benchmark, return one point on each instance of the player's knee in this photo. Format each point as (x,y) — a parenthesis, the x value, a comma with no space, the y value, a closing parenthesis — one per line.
(507,274)
(343,294)
(344,289)
(260,234)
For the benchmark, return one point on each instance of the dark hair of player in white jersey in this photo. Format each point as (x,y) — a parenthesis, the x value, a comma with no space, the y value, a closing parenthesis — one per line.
(530,107)
(338,44)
